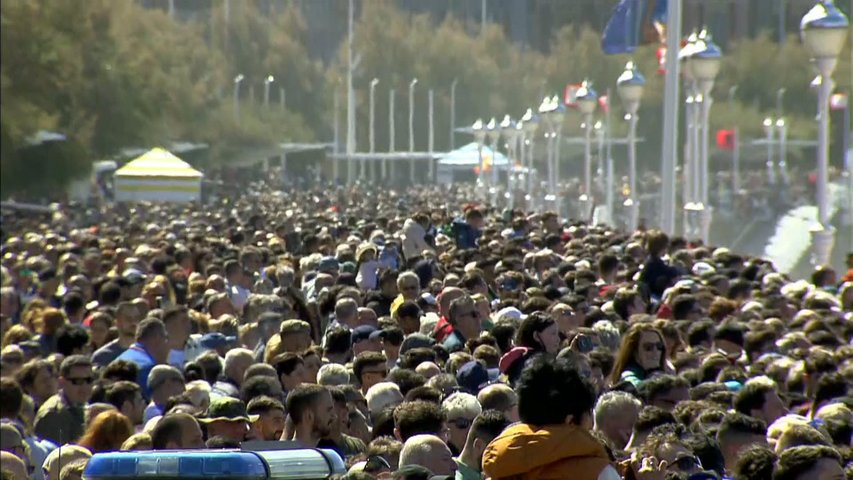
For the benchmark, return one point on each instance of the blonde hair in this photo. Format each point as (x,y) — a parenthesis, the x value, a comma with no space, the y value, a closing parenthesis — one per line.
(137,442)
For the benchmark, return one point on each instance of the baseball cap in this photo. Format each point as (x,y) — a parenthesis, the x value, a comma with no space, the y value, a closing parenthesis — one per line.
(473,377)
(416,340)
(364,332)
(510,357)
(228,409)
(216,340)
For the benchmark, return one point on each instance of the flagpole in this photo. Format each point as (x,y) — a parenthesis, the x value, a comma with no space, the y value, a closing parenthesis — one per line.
(670,118)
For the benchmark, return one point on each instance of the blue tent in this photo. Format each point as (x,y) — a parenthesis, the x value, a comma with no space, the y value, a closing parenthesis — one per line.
(467,157)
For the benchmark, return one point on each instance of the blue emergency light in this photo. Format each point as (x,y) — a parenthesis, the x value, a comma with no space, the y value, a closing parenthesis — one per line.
(291,464)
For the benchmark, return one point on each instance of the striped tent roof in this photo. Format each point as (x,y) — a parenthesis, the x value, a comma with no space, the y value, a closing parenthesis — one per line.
(158,162)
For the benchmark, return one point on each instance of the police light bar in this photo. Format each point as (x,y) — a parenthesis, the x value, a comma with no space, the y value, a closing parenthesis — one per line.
(292,464)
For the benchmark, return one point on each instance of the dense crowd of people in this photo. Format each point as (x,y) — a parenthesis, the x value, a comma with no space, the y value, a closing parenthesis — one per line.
(419,335)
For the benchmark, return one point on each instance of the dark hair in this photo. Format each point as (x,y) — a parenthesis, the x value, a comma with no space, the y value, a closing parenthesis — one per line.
(683,305)
(120,392)
(11,398)
(488,425)
(829,387)
(367,359)
(408,309)
(795,461)
(263,404)
(168,428)
(211,366)
(736,424)
(415,356)
(174,311)
(550,390)
(660,385)
(26,376)
(699,332)
(756,462)
(148,328)
(629,346)
(220,442)
(751,397)
(300,399)
(259,386)
(425,393)
(418,417)
(71,337)
(534,323)
(286,363)
(338,340)
(730,331)
(651,417)
(260,370)
(72,362)
(406,379)
(118,370)
(73,302)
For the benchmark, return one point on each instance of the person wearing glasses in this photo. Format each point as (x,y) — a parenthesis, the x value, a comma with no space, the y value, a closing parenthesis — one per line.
(464,317)
(61,418)
(641,354)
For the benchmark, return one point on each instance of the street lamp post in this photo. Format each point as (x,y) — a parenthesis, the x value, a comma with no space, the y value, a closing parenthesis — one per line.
(824,29)
(372,121)
(531,125)
(494,133)
(507,130)
(691,186)
(237,81)
(586,99)
(453,113)
(630,86)
(519,151)
(558,115)
(770,164)
(480,137)
(267,82)
(392,132)
(705,64)
(412,129)
(545,112)
(783,151)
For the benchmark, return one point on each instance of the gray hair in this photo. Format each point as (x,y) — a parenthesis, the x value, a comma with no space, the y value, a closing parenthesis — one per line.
(258,304)
(611,403)
(333,374)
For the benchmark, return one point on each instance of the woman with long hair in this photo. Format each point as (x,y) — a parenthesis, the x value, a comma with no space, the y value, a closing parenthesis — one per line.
(641,354)
(539,333)
(107,432)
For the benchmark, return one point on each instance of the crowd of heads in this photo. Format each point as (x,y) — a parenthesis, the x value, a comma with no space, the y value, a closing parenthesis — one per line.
(418,335)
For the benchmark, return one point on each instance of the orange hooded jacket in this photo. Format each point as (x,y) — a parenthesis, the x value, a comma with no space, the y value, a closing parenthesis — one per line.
(554,452)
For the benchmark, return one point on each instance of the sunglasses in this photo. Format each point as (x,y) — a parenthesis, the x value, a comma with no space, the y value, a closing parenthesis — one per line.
(375,464)
(686,463)
(81,381)
(461,423)
(651,347)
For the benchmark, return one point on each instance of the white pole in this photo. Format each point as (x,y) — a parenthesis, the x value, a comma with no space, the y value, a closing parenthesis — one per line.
(453,113)
(412,129)
(770,164)
(372,119)
(336,136)
(237,81)
(431,137)
(707,211)
(281,98)
(172,9)
(587,162)
(391,134)
(350,98)
(670,116)
(736,164)
(632,171)
(783,151)
(557,192)
(608,184)
(267,82)
(823,238)
(530,157)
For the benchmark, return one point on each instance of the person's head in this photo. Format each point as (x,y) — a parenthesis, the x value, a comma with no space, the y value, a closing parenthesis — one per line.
(464,317)
(127,318)
(643,346)
(237,361)
(460,409)
(60,457)
(759,399)
(333,374)
(755,463)
(127,398)
(538,332)
(165,381)
(295,335)
(290,369)
(12,440)
(381,396)
(137,442)
(485,428)
(409,285)
(151,334)
(312,410)
(106,432)
(14,465)
(177,431)
(428,451)
(346,311)
(11,398)
(552,392)
(809,463)
(736,433)
(271,417)
(38,379)
(615,415)
(408,316)
(669,443)
(657,243)
(227,417)
(76,378)
(178,326)
(416,418)
(369,369)
(72,339)
(665,391)
(500,397)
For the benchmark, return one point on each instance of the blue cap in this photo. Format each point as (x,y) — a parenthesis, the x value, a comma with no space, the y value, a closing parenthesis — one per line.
(733,385)
(214,340)
(329,264)
(365,332)
(473,376)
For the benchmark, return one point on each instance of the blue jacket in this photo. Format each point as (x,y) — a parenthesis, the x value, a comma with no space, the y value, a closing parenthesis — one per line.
(137,355)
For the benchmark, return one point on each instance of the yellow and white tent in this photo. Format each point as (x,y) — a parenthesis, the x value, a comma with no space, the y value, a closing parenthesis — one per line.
(157,176)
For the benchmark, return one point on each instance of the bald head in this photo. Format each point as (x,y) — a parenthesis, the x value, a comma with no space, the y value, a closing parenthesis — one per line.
(448,295)
(428,451)
(500,397)
(428,369)
(15,466)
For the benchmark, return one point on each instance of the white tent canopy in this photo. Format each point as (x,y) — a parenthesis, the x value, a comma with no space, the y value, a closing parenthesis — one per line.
(468,157)
(157,176)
